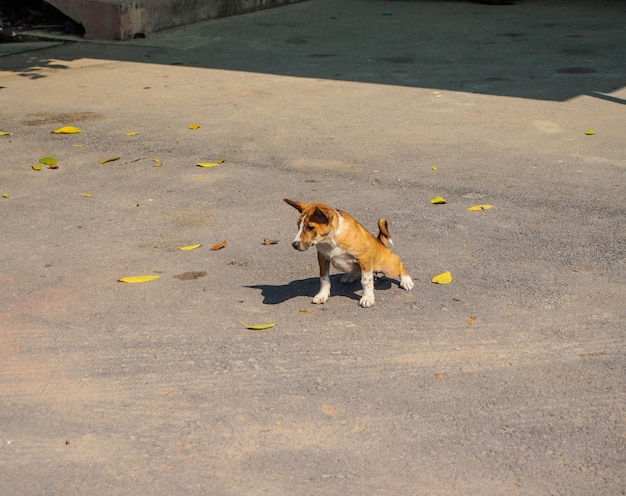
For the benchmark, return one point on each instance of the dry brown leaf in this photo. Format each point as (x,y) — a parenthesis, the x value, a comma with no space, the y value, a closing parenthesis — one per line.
(219,246)
(267,242)
(471,320)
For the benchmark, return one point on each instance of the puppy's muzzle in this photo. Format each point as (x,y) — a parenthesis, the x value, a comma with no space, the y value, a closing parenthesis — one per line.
(299,246)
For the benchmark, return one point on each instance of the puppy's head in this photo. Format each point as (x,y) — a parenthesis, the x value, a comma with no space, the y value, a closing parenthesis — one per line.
(315,223)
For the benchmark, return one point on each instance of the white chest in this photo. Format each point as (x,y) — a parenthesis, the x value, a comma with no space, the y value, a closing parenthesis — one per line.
(339,258)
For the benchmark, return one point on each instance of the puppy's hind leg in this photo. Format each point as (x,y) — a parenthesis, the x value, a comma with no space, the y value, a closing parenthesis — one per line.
(395,268)
(406,282)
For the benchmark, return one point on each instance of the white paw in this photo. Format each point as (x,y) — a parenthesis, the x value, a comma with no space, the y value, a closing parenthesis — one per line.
(406,283)
(320,298)
(367,301)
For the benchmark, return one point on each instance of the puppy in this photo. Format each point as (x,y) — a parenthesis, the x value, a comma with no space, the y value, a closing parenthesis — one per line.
(349,247)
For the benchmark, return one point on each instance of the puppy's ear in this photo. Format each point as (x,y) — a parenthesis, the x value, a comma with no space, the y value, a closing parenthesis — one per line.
(320,216)
(299,206)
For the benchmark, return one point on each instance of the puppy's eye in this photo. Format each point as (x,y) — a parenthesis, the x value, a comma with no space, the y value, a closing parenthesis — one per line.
(309,228)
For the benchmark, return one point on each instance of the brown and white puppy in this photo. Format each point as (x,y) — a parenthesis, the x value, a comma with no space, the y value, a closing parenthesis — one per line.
(349,247)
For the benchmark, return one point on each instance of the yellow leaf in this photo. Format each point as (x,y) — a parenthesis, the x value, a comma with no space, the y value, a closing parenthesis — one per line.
(434,168)
(112,159)
(590,132)
(211,164)
(471,320)
(190,247)
(193,127)
(219,246)
(37,167)
(445,278)
(134,279)
(5,195)
(257,327)
(480,207)
(305,310)
(438,200)
(157,162)
(132,133)
(67,130)
(87,195)
(5,133)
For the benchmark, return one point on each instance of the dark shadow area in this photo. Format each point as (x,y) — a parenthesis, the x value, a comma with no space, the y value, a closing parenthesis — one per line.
(20,16)
(276,294)
(539,49)
(608,98)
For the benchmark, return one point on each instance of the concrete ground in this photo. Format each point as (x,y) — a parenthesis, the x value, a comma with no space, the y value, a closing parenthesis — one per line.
(510,380)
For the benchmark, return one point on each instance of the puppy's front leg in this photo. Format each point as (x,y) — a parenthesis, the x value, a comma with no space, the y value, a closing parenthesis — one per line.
(324,291)
(367,281)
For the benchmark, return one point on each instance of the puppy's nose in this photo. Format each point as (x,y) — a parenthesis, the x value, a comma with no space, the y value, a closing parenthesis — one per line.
(296,245)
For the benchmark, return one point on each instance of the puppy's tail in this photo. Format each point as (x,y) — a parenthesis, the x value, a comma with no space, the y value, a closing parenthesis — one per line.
(383,233)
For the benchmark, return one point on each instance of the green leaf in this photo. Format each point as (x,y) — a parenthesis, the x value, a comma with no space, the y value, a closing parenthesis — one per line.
(48,161)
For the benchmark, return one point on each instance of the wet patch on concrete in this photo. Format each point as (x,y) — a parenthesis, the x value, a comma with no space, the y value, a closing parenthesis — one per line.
(576,70)
(513,36)
(189,276)
(496,79)
(298,40)
(397,60)
(578,51)
(42,118)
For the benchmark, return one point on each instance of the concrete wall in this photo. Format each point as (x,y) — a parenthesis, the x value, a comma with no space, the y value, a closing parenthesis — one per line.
(125,19)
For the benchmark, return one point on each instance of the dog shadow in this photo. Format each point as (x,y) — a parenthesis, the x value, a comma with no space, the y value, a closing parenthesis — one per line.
(276,294)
